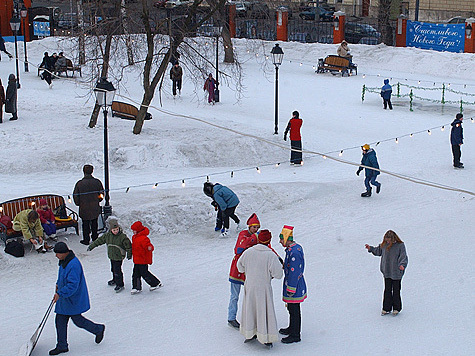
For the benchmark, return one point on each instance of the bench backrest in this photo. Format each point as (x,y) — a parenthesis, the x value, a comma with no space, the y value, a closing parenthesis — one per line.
(337,61)
(124,108)
(13,207)
(69,63)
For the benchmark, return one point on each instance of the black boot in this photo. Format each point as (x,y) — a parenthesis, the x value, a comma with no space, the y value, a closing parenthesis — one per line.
(284,331)
(367,193)
(290,339)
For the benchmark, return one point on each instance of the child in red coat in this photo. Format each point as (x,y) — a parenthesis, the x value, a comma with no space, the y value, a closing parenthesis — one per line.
(142,250)
(47,219)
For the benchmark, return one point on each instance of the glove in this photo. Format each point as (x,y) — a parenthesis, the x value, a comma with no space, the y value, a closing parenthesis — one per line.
(285,137)
(358,172)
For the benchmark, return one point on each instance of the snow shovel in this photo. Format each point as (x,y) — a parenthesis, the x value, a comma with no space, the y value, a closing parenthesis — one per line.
(27,348)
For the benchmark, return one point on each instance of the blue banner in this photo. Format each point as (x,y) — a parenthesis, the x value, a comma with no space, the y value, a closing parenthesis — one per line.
(438,37)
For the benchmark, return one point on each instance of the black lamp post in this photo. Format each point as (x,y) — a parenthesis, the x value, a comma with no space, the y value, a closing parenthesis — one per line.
(105,92)
(219,29)
(15,25)
(24,16)
(277,57)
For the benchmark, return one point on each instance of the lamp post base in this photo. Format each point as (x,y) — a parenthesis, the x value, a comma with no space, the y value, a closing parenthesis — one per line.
(107,211)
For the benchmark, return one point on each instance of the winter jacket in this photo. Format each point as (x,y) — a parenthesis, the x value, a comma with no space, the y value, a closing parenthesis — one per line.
(60,63)
(71,287)
(224,196)
(244,241)
(2,95)
(176,73)
(456,134)
(369,159)
(47,63)
(118,246)
(46,215)
(20,223)
(11,95)
(386,90)
(294,282)
(391,260)
(87,195)
(142,248)
(210,84)
(294,126)
(343,50)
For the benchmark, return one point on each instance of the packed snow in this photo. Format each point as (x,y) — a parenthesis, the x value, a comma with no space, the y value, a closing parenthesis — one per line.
(44,151)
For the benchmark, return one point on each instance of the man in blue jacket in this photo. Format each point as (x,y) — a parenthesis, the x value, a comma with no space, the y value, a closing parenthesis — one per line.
(227,201)
(369,160)
(386,92)
(71,299)
(456,139)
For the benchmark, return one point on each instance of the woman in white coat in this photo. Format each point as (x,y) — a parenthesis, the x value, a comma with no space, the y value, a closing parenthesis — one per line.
(261,264)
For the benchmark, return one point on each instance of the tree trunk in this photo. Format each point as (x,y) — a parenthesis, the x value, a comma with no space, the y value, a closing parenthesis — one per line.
(125,27)
(384,12)
(81,39)
(228,46)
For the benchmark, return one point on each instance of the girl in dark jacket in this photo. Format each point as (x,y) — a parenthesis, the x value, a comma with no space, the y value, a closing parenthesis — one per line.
(393,264)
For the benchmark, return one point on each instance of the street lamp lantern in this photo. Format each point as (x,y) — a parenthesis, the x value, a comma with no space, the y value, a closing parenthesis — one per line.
(15,25)
(277,58)
(105,93)
(24,15)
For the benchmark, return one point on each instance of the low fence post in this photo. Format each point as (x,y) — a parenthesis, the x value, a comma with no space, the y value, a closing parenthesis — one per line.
(362,95)
(398,89)
(443,93)
(410,102)
(461,105)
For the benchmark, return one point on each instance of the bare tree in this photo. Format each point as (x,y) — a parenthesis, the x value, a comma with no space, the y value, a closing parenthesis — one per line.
(384,12)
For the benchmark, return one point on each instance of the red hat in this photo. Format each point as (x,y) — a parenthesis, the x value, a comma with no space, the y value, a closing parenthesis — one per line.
(137,226)
(264,237)
(253,220)
(43,202)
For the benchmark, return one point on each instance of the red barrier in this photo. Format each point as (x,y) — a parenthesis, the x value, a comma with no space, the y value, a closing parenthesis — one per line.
(282,20)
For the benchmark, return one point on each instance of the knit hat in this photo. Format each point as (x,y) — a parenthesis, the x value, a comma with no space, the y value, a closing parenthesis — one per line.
(60,247)
(87,169)
(459,116)
(287,234)
(264,237)
(43,202)
(253,220)
(137,226)
(365,147)
(113,224)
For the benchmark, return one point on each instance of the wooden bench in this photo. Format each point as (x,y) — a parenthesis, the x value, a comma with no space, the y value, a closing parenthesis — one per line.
(69,67)
(335,65)
(126,111)
(13,207)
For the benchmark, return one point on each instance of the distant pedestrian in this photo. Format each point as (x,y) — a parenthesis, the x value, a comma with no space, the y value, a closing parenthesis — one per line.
(142,252)
(118,247)
(227,201)
(47,65)
(294,125)
(2,100)
(176,74)
(11,97)
(369,159)
(88,193)
(456,139)
(386,92)
(246,238)
(210,86)
(294,289)
(3,48)
(72,299)
(393,265)
(260,264)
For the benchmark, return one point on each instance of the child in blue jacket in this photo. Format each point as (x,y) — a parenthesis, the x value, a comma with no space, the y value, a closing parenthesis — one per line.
(386,92)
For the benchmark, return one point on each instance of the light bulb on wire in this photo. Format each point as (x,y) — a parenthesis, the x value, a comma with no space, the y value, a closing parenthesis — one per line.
(183,183)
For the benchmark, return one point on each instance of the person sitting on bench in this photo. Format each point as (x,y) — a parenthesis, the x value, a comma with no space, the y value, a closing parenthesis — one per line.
(28,222)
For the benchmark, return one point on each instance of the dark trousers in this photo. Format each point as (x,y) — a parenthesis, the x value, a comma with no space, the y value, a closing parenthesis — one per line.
(78,320)
(371,180)
(392,295)
(176,84)
(89,230)
(141,271)
(457,153)
(219,219)
(47,76)
(295,319)
(296,156)
(386,103)
(117,275)
(229,213)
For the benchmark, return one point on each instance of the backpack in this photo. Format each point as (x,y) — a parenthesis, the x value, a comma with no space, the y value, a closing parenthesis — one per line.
(7,221)
(14,248)
(60,212)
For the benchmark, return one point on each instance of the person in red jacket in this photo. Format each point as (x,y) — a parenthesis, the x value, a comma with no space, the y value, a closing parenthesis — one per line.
(294,125)
(142,250)
(47,219)
(246,239)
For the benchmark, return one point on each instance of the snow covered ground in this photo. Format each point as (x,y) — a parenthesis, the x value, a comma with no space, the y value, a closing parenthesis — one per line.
(44,150)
